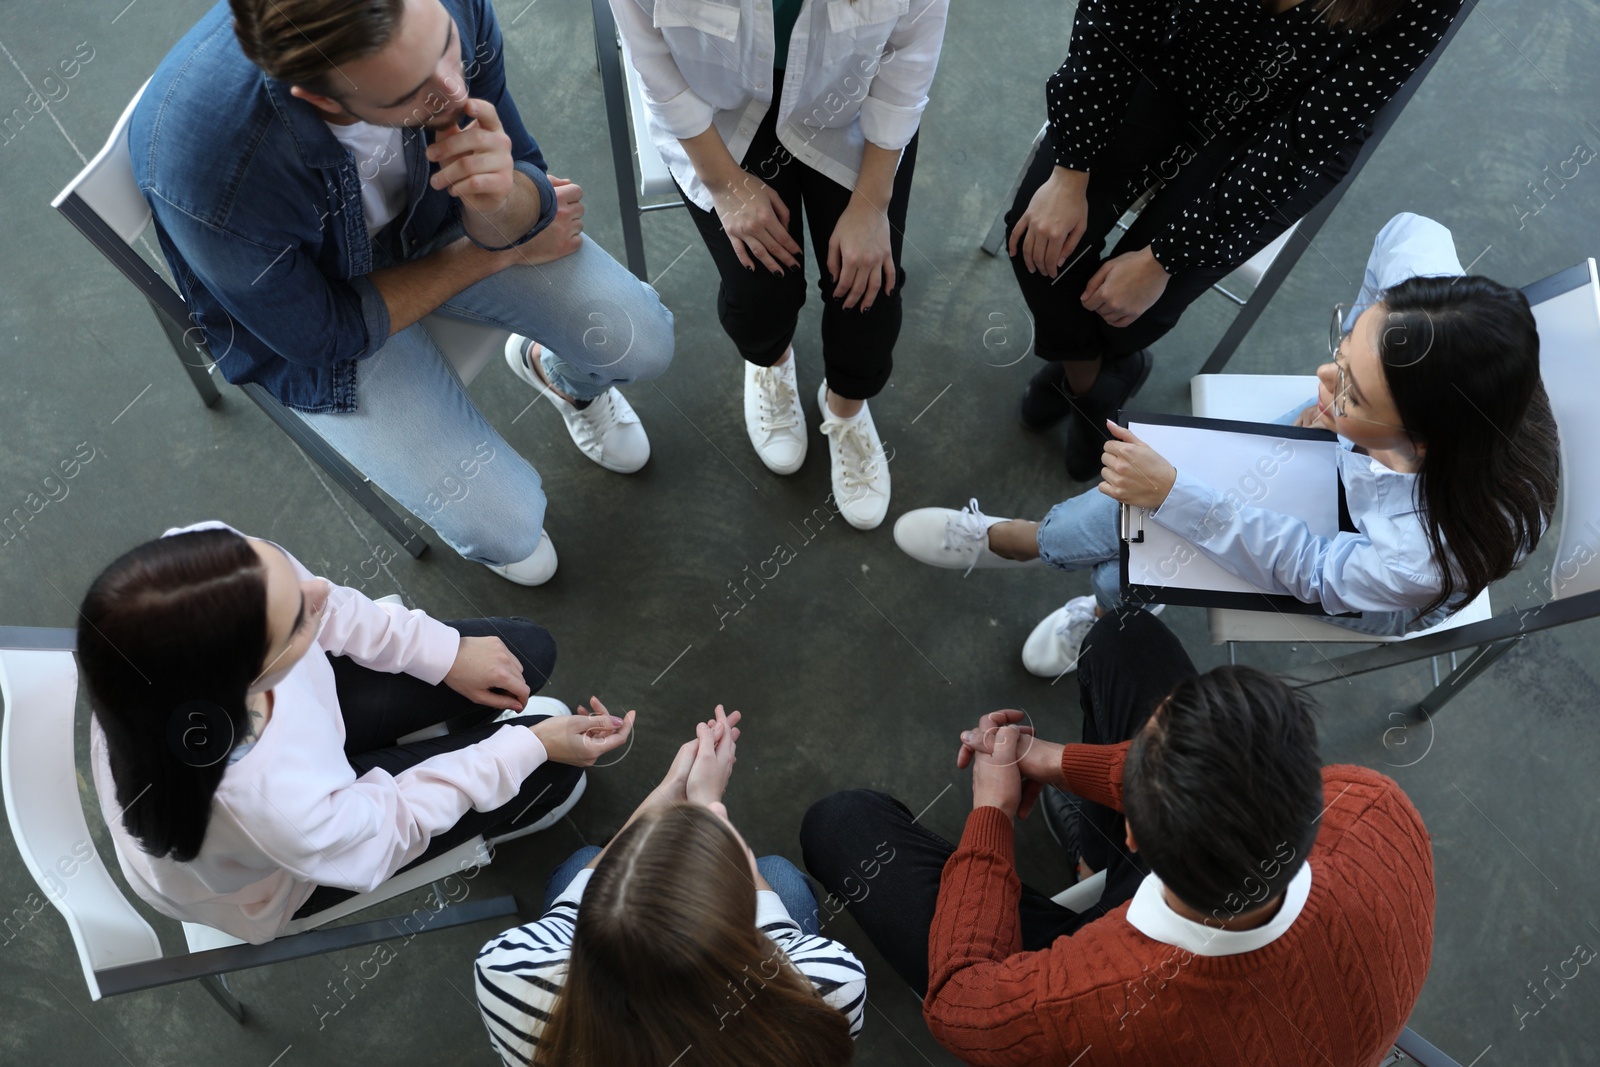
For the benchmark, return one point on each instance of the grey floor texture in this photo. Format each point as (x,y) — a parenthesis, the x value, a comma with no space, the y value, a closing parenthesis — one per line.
(855,666)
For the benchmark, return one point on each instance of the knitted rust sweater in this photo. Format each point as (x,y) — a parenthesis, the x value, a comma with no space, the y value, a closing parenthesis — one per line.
(1334,989)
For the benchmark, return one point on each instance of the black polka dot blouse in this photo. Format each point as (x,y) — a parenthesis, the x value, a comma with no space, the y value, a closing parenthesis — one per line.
(1295,89)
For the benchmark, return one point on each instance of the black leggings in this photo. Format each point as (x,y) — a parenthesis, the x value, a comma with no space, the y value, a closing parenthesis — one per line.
(759,309)
(1155,135)
(865,847)
(380,708)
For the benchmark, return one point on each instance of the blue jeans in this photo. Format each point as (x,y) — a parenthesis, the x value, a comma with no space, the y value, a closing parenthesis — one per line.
(784,878)
(418,435)
(1083,532)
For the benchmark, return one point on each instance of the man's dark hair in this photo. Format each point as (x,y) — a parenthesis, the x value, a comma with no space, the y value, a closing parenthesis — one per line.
(301,42)
(1224,791)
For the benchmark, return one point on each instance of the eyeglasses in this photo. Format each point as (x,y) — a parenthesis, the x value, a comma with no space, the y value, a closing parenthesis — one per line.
(1336,335)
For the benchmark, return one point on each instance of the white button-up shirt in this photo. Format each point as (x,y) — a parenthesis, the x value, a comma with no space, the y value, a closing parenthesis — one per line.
(858,71)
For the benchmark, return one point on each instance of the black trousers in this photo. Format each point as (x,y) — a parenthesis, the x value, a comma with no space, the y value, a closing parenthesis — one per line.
(864,847)
(1157,144)
(380,708)
(759,309)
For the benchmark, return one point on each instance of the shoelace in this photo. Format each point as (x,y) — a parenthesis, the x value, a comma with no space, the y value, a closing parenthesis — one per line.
(966,530)
(1077,616)
(856,454)
(776,399)
(594,420)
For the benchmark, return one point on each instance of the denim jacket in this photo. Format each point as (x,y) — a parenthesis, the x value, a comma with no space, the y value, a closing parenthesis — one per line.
(258,209)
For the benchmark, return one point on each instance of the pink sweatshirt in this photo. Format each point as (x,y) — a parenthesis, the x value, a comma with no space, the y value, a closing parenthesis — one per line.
(291,814)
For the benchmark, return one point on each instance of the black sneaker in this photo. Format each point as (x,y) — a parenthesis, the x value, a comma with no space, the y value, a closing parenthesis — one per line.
(1063,818)
(1119,380)
(1046,400)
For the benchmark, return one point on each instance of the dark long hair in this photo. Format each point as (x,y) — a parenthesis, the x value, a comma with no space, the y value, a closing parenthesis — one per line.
(169,638)
(1461,357)
(666,957)
(1223,792)
(1359,16)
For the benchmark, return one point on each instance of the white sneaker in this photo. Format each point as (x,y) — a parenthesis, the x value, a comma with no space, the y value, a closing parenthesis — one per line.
(1053,648)
(859,467)
(773,417)
(1056,643)
(537,705)
(535,570)
(607,431)
(956,540)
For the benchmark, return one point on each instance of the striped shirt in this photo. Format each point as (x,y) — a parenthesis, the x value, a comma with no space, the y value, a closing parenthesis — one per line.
(519,973)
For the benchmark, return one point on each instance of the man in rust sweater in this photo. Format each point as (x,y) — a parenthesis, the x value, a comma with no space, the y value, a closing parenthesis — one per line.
(1265,909)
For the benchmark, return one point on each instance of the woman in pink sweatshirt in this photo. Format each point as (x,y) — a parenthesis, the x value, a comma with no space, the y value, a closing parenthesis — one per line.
(248,716)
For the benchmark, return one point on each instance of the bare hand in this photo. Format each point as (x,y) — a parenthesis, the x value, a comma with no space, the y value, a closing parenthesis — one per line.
(562,237)
(1038,761)
(485,672)
(475,163)
(756,221)
(860,256)
(1134,472)
(996,781)
(1125,286)
(1051,228)
(1315,416)
(713,762)
(583,737)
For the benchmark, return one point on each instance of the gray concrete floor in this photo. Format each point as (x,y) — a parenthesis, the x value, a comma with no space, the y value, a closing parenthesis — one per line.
(855,666)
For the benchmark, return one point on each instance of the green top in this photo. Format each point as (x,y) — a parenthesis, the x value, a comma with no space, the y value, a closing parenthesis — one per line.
(784,14)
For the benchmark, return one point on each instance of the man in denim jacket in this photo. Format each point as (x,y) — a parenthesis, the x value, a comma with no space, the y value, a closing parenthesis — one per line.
(324,174)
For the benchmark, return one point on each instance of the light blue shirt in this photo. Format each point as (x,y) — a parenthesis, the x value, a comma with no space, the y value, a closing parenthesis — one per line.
(1386,569)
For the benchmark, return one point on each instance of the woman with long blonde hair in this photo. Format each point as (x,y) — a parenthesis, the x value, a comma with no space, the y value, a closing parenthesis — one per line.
(674,945)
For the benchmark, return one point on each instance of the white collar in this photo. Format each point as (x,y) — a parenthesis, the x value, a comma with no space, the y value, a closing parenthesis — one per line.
(1152,916)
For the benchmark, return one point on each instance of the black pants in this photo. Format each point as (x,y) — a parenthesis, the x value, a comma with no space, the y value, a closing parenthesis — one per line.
(379,708)
(1130,663)
(1149,148)
(759,309)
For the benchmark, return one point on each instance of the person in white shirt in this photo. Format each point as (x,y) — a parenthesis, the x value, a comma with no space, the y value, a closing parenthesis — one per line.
(674,946)
(765,110)
(246,737)
(1447,472)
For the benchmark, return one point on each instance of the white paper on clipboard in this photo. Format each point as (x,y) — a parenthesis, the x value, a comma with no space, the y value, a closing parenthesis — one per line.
(1292,476)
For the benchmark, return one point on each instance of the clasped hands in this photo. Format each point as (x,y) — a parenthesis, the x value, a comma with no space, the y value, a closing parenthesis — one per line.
(1010,765)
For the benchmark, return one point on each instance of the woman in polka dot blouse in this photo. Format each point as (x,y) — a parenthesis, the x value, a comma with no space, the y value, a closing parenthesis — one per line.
(1239,114)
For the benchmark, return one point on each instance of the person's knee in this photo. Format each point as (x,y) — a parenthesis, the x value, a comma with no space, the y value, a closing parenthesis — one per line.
(533,645)
(831,825)
(1114,632)
(654,337)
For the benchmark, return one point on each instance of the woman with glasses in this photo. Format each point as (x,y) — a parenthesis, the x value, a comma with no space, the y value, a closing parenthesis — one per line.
(246,742)
(1448,468)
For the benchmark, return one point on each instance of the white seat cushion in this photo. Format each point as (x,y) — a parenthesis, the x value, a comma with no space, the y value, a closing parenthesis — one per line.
(469,346)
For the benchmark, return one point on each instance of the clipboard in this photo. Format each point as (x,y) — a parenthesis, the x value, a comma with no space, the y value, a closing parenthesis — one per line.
(1301,463)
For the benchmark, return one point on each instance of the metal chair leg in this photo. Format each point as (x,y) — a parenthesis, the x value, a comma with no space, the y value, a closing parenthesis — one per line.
(196,363)
(338,468)
(997,229)
(615,94)
(1481,659)
(217,986)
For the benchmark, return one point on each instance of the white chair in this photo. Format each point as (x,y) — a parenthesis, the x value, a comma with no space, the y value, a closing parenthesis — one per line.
(1265,271)
(627,120)
(117,948)
(1566,307)
(103,201)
